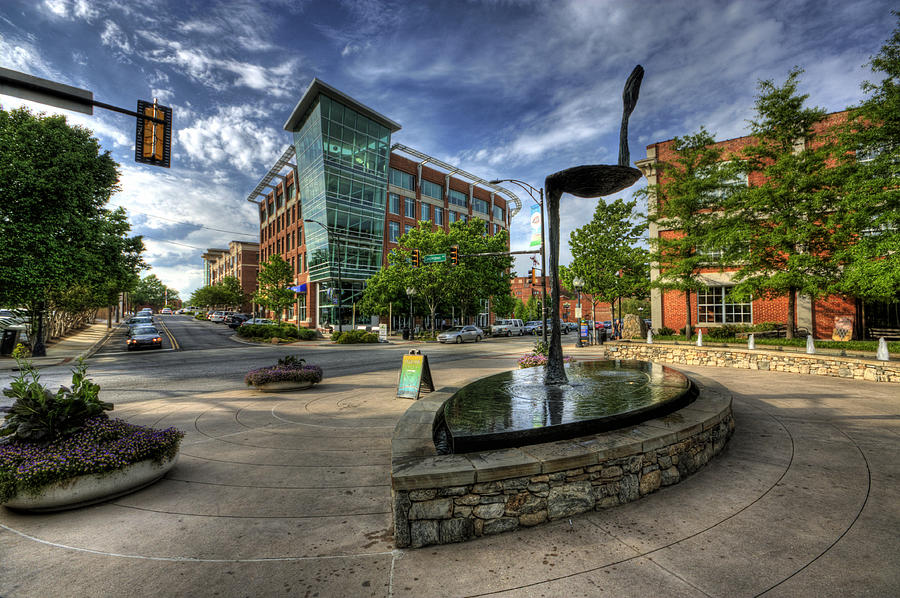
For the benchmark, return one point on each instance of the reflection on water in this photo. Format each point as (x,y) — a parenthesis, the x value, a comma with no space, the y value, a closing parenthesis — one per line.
(519,400)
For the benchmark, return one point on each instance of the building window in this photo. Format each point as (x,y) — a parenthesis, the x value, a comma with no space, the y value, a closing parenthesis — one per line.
(451,216)
(289,191)
(496,229)
(479,205)
(439,216)
(393,231)
(301,306)
(407,228)
(409,207)
(458,198)
(498,213)
(426,212)
(432,189)
(714,307)
(403,179)
(394,203)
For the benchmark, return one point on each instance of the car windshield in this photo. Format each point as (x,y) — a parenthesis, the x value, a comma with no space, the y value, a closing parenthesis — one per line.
(145,330)
(456,329)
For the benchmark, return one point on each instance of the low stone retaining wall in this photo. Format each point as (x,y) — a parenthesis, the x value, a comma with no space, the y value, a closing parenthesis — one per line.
(777,361)
(439,499)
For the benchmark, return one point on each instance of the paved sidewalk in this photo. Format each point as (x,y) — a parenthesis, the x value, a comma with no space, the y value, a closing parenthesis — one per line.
(79,344)
(289,494)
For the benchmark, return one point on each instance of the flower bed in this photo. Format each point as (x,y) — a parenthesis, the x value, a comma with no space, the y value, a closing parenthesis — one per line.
(531,360)
(102,445)
(287,371)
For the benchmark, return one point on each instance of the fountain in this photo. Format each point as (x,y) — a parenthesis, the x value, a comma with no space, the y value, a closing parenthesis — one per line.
(532,406)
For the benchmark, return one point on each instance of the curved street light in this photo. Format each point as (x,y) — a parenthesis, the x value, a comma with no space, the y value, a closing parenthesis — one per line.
(530,190)
(340,305)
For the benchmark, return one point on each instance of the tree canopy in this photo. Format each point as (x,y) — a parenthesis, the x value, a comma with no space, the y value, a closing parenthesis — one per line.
(225,293)
(151,291)
(275,276)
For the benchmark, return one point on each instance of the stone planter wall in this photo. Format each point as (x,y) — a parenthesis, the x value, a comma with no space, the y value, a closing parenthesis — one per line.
(777,361)
(439,499)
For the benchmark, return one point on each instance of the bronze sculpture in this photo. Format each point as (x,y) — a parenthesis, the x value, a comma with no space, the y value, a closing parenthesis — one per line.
(595,180)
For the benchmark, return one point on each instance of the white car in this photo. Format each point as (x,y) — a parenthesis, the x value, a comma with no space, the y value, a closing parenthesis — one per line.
(218,316)
(166,311)
(461,334)
(257,321)
(508,327)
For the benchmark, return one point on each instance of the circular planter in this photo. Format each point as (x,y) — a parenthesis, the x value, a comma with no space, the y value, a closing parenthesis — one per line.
(92,488)
(286,385)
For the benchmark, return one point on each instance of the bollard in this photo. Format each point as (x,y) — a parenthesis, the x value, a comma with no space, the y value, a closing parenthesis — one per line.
(882,354)
(810,345)
(699,338)
(751,343)
(649,337)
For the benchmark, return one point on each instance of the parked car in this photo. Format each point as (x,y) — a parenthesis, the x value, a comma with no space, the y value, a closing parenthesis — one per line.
(166,311)
(218,317)
(531,325)
(143,336)
(235,320)
(460,334)
(146,310)
(539,329)
(252,321)
(508,327)
(570,326)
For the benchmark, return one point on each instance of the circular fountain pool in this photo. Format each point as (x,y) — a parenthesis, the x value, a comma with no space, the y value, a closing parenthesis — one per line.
(516,408)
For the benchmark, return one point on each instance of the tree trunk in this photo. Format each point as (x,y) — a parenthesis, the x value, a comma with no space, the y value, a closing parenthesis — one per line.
(792,308)
(688,327)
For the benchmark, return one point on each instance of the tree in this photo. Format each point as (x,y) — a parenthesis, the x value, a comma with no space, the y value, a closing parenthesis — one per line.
(606,254)
(275,276)
(866,220)
(776,230)
(54,184)
(519,310)
(151,291)
(504,305)
(684,207)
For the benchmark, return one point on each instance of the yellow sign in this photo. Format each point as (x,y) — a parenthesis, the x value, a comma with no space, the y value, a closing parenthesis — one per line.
(413,373)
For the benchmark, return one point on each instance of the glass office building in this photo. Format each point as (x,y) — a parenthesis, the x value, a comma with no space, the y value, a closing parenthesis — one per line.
(342,149)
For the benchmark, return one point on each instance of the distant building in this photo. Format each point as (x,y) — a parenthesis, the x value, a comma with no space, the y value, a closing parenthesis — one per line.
(367,192)
(240,260)
(523,288)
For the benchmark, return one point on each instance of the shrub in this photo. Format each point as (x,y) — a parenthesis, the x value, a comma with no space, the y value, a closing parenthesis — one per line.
(665,331)
(336,335)
(307,334)
(541,348)
(21,352)
(200,315)
(531,360)
(724,331)
(284,373)
(101,445)
(356,336)
(40,416)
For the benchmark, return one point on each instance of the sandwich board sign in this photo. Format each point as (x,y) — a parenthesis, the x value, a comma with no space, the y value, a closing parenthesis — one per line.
(415,376)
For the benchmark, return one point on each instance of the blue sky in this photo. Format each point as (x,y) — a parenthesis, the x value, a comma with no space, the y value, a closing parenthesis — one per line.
(501,88)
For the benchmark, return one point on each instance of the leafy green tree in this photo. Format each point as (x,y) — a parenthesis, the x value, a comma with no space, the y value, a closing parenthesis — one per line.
(275,276)
(151,291)
(685,208)
(866,220)
(775,230)
(383,295)
(54,229)
(519,310)
(504,305)
(606,254)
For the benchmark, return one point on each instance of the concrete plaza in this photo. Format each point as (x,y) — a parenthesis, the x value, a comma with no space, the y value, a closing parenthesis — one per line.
(290,495)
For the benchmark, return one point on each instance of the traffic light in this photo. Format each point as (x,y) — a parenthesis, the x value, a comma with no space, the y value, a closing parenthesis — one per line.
(454,255)
(534,279)
(415,258)
(153,140)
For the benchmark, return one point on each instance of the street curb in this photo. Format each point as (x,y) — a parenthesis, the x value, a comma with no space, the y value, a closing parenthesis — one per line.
(87,353)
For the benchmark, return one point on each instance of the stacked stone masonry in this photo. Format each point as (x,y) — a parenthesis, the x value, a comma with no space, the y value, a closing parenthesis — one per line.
(776,361)
(453,498)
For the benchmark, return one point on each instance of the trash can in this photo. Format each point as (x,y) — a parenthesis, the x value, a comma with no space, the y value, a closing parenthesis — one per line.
(406,334)
(601,335)
(8,341)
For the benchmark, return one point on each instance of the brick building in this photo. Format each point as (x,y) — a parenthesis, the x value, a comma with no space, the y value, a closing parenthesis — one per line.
(362,193)
(240,260)
(711,307)
(522,287)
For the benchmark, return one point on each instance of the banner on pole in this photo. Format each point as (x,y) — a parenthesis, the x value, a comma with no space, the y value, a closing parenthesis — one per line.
(536,226)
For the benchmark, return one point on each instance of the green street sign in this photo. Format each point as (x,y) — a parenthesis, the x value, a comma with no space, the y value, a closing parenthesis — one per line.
(434,258)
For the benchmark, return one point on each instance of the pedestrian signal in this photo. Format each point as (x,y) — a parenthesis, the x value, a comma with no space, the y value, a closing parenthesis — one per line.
(454,255)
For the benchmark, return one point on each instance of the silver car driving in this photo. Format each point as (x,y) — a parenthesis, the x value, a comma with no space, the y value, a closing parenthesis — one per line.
(459,334)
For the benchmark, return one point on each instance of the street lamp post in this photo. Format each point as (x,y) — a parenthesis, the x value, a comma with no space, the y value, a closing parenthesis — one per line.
(337,237)
(410,292)
(578,284)
(530,190)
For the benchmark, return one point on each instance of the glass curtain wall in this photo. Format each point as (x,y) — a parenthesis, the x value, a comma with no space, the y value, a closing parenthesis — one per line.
(342,159)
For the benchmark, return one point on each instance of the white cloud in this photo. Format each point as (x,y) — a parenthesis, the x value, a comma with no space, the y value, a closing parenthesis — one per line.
(232,136)
(60,8)
(114,37)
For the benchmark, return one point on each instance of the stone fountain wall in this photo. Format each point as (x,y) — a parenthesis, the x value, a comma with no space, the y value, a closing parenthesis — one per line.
(453,498)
